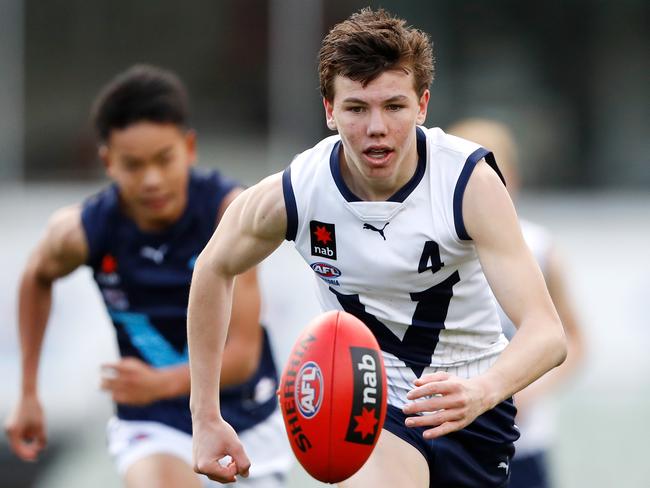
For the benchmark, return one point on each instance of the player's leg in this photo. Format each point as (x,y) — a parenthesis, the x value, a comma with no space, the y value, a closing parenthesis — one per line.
(161,471)
(151,454)
(393,462)
(269,451)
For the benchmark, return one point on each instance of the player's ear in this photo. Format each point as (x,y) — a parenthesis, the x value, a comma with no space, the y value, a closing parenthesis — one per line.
(190,145)
(104,156)
(423,103)
(329,114)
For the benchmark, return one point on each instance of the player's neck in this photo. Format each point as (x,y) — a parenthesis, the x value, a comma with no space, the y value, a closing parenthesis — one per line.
(379,189)
(146,223)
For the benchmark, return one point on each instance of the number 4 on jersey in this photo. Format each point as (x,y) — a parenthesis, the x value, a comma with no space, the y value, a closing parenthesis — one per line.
(430,254)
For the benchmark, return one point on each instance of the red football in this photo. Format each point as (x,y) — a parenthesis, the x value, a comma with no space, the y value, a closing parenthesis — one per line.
(333,396)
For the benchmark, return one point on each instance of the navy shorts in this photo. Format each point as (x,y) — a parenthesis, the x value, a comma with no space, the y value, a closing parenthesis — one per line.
(529,471)
(477,456)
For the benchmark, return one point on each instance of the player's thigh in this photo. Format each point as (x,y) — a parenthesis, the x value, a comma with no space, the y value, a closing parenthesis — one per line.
(272,480)
(393,462)
(161,471)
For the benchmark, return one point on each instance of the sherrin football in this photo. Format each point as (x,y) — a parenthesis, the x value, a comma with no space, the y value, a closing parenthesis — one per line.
(333,396)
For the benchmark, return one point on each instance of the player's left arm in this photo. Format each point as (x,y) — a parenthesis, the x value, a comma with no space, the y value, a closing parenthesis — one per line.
(539,344)
(558,289)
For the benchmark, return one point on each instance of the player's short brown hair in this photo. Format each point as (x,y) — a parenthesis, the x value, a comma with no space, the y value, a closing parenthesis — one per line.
(369,43)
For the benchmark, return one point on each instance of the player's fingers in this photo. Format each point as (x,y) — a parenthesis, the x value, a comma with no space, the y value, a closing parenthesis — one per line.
(27,444)
(433,419)
(216,471)
(427,378)
(443,429)
(240,458)
(107,384)
(429,389)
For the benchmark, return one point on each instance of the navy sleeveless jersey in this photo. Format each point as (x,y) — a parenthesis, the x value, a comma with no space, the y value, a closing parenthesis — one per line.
(144,279)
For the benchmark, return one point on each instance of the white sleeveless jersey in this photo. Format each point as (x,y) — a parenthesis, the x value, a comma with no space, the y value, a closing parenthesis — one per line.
(406,267)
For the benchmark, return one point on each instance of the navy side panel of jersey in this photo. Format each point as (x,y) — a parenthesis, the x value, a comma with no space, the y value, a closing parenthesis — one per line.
(144,279)
(245,405)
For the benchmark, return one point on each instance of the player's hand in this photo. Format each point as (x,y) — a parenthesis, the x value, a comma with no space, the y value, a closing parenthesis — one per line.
(25,429)
(131,381)
(212,441)
(447,403)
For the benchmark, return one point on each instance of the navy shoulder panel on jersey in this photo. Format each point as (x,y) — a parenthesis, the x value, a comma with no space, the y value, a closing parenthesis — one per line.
(98,214)
(461,184)
(290,205)
(208,189)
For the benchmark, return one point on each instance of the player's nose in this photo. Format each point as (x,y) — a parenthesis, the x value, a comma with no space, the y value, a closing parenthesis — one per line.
(376,124)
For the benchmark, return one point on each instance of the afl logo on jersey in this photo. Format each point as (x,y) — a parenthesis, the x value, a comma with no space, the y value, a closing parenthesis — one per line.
(325,270)
(309,389)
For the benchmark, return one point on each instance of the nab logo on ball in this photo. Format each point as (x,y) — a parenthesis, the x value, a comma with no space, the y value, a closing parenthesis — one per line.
(309,389)
(368,394)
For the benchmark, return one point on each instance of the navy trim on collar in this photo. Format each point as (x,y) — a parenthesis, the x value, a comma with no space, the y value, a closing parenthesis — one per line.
(398,196)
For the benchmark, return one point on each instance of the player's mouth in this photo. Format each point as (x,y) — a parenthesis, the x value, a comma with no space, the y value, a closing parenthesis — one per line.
(377,155)
(156,204)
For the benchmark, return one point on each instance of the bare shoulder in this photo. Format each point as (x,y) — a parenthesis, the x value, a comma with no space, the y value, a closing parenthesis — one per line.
(65,241)
(253,226)
(263,209)
(487,208)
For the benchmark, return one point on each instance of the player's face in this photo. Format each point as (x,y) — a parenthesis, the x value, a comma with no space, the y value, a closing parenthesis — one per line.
(150,163)
(377,128)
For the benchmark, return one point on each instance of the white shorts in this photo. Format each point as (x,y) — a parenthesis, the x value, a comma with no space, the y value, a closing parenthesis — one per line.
(266,445)
(400,377)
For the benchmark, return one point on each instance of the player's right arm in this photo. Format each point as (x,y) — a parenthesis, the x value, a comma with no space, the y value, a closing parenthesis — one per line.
(60,251)
(253,226)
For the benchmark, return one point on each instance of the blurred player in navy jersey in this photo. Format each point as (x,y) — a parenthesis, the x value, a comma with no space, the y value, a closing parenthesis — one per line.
(418,226)
(141,236)
(529,468)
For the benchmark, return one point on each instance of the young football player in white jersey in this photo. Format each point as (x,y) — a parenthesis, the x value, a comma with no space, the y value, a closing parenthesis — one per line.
(529,467)
(140,235)
(416,223)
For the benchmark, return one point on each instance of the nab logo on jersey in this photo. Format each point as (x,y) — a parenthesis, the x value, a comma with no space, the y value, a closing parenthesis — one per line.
(323,239)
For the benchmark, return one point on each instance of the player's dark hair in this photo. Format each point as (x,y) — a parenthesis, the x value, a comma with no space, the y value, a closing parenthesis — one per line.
(369,43)
(141,93)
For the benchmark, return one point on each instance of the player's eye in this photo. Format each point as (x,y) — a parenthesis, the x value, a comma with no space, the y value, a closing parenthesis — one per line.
(164,159)
(393,107)
(356,109)
(131,165)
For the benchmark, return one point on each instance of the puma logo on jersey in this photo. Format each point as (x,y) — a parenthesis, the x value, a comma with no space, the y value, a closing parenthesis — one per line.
(156,255)
(380,231)
(503,465)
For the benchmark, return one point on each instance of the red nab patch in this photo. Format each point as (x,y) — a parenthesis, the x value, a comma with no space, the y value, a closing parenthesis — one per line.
(323,239)
(109,264)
